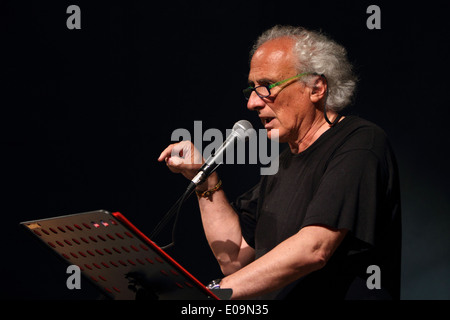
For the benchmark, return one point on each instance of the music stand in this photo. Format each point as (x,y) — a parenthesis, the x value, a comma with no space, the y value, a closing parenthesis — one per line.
(118,258)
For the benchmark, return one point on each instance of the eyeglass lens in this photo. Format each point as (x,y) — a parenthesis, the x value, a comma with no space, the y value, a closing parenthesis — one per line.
(261,91)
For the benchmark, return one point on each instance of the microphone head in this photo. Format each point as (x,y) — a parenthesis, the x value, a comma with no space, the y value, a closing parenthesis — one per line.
(242,128)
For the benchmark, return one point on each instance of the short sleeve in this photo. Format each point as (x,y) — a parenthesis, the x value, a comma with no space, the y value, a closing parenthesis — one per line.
(246,207)
(349,194)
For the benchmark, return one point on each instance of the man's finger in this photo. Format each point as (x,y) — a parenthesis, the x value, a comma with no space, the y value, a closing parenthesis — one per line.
(166,153)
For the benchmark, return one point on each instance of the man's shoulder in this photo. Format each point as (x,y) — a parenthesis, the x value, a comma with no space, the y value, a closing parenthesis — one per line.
(356,123)
(361,134)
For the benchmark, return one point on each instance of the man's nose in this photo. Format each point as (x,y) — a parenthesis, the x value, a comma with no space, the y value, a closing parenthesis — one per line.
(255,103)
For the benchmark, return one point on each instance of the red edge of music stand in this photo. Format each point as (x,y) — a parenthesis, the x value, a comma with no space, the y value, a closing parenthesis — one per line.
(122,218)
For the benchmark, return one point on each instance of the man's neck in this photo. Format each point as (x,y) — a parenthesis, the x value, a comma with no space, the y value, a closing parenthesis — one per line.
(318,127)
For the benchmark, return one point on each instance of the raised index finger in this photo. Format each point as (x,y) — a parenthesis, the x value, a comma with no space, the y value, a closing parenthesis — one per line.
(166,153)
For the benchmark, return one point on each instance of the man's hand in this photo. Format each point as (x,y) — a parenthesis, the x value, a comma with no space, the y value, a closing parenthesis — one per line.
(182,157)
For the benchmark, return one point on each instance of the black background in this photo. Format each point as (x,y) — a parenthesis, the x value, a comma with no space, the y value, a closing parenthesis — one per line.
(85,114)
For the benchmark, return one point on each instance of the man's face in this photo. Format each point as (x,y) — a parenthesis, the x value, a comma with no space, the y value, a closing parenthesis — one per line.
(289,104)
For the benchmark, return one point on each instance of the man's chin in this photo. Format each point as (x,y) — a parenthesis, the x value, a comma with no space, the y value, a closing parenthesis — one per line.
(274,134)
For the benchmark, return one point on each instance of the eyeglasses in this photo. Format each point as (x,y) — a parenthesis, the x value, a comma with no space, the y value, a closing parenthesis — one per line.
(264,91)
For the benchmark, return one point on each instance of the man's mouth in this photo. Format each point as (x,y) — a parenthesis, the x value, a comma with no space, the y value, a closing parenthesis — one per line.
(267,120)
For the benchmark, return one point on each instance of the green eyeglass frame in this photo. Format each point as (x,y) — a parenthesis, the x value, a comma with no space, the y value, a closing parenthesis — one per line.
(264,91)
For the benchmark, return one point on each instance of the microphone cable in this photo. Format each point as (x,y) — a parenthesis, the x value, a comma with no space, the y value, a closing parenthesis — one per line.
(173,211)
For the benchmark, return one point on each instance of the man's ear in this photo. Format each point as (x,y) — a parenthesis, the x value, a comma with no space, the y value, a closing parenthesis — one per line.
(318,90)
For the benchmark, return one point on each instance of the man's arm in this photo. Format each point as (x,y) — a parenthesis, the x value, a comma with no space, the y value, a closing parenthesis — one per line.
(307,251)
(223,230)
(220,221)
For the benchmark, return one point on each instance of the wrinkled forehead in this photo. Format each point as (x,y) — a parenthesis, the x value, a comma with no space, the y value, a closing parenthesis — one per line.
(273,59)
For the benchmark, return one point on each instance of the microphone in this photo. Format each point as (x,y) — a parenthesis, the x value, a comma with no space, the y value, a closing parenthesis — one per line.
(240,132)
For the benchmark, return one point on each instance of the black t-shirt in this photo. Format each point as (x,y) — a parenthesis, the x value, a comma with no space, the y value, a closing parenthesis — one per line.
(347,179)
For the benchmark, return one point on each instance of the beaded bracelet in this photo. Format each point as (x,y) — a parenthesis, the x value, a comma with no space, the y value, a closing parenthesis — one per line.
(208,193)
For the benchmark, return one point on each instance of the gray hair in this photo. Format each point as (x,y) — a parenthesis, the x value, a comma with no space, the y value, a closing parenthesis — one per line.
(317,53)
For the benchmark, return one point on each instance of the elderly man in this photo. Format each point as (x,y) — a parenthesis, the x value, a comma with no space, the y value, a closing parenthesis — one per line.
(327,224)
